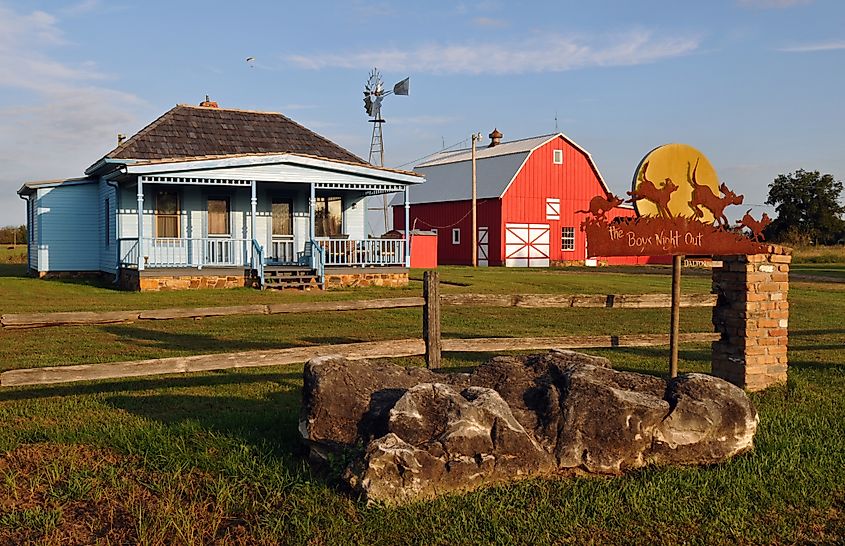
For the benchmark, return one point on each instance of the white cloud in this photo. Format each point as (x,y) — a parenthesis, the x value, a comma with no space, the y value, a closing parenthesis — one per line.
(767,4)
(811,48)
(542,53)
(56,118)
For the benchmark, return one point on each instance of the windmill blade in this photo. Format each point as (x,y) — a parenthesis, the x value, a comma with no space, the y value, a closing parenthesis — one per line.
(403,87)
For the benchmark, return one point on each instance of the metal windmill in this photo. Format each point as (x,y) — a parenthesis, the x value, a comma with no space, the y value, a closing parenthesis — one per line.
(374,94)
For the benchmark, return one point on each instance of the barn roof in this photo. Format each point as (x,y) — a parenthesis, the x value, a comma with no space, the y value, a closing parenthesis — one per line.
(201,131)
(505,148)
(447,173)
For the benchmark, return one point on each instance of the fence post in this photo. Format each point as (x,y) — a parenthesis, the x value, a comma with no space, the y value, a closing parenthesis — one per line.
(431,318)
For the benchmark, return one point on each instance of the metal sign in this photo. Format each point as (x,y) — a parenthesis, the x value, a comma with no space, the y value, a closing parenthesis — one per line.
(680,210)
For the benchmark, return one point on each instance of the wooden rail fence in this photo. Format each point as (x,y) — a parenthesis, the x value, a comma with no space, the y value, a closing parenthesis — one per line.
(431,345)
(615,301)
(278,357)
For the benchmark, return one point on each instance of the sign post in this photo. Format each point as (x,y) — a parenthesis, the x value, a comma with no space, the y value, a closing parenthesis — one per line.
(675,317)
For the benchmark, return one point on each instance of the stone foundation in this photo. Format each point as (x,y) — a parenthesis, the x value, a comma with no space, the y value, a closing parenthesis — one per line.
(154,281)
(752,315)
(350,279)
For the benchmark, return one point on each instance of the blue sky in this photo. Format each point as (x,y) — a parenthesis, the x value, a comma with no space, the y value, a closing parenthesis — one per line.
(757,85)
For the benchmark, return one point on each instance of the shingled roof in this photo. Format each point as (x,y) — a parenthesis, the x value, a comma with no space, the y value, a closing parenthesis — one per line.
(196,131)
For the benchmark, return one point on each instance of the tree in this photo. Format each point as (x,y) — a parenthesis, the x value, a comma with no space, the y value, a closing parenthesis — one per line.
(808,207)
(13,234)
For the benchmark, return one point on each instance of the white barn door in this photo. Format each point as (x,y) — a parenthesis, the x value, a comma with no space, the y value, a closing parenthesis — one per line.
(527,245)
(483,247)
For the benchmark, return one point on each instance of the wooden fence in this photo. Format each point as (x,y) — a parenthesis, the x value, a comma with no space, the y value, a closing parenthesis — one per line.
(277,357)
(615,301)
(431,345)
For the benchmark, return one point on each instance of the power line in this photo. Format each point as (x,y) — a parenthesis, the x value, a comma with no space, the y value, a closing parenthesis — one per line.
(464,141)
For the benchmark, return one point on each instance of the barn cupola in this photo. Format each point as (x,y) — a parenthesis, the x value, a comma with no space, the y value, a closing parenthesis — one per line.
(208,103)
(495,138)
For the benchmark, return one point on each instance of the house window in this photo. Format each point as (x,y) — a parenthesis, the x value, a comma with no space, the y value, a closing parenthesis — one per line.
(456,236)
(282,217)
(567,238)
(552,209)
(218,216)
(558,157)
(167,214)
(328,216)
(107,222)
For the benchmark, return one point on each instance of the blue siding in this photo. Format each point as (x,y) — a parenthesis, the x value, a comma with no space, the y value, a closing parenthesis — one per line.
(107,227)
(69,228)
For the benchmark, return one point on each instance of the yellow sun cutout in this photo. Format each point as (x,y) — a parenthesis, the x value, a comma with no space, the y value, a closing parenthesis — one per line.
(667,167)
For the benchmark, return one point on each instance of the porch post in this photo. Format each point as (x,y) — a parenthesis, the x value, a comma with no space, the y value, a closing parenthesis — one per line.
(407,230)
(312,202)
(140,223)
(253,223)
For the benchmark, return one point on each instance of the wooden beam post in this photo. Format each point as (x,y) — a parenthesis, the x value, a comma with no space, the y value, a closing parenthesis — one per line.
(675,315)
(431,319)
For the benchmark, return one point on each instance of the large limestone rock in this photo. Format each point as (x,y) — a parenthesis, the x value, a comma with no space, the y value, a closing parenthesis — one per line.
(412,433)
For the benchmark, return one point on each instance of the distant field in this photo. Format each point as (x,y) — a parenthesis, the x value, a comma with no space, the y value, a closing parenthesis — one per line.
(819,254)
(10,254)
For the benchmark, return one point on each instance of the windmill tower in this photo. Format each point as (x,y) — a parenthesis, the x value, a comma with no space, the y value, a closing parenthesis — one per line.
(374,94)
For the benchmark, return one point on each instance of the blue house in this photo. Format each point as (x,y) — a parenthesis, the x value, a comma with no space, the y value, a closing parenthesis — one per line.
(214,197)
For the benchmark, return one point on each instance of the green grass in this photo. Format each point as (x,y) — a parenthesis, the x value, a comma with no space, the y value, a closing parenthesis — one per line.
(217,457)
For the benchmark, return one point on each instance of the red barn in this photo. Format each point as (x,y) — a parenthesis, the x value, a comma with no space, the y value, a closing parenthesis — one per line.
(531,194)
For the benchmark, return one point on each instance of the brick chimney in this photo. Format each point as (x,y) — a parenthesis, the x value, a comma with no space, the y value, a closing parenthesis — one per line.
(495,138)
(208,103)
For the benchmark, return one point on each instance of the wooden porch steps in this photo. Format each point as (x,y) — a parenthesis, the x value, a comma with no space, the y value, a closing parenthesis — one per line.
(281,277)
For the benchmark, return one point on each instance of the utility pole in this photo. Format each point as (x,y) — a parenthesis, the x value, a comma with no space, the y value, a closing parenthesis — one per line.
(475,137)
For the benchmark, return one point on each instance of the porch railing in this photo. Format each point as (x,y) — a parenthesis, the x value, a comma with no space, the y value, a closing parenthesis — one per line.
(127,252)
(363,252)
(282,251)
(184,252)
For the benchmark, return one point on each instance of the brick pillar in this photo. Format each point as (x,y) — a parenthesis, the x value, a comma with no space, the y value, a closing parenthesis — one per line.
(752,314)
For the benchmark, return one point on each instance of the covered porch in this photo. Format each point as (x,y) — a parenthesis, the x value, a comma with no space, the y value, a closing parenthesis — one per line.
(252,214)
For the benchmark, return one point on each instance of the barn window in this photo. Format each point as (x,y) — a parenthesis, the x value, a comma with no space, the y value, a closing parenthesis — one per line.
(558,157)
(456,236)
(567,238)
(552,208)
(167,214)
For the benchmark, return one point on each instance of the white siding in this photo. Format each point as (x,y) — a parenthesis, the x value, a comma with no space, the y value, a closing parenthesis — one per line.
(354,216)
(69,225)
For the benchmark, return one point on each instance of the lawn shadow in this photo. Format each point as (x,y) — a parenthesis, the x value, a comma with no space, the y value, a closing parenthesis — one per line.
(194,342)
(835,367)
(221,378)
(14,270)
(269,422)
(801,333)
